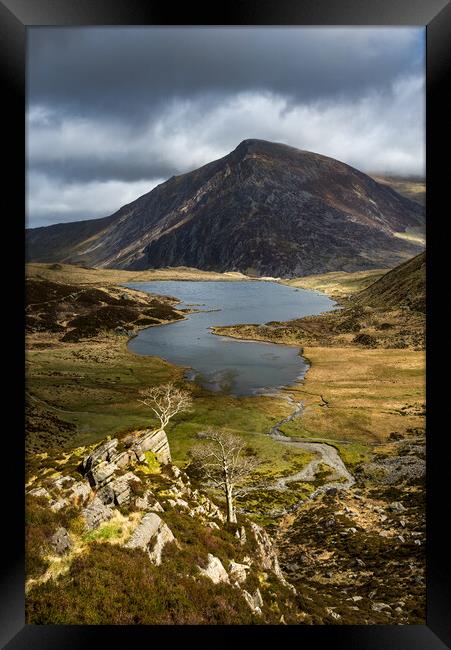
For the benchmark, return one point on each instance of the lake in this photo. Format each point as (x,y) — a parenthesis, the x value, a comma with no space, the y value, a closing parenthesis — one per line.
(220,363)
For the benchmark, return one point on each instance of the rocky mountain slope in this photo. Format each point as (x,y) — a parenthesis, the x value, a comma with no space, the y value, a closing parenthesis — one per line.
(264,209)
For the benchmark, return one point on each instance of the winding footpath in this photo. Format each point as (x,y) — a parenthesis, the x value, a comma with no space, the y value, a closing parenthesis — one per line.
(326,454)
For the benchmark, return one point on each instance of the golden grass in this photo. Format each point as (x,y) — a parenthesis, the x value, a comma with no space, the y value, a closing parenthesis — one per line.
(414,189)
(360,395)
(337,283)
(80,275)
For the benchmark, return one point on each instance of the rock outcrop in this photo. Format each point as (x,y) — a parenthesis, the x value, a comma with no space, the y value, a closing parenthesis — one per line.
(101,465)
(104,452)
(148,502)
(110,491)
(255,601)
(238,572)
(214,570)
(154,441)
(151,535)
(95,513)
(80,490)
(118,491)
(101,474)
(268,554)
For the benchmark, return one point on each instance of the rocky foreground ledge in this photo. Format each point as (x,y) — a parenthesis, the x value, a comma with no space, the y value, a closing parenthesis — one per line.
(128,495)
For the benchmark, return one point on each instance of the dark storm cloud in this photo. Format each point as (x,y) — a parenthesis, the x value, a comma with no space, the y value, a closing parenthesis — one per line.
(135,70)
(113,111)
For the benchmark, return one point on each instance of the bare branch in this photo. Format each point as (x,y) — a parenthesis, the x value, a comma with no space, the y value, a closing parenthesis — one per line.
(166,401)
(220,461)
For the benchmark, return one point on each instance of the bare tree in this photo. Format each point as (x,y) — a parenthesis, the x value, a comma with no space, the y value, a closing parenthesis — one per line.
(166,401)
(222,462)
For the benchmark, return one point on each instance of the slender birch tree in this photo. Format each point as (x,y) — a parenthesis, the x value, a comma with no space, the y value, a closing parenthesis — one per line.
(221,461)
(166,401)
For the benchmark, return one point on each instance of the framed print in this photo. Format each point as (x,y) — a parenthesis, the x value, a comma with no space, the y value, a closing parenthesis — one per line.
(232,426)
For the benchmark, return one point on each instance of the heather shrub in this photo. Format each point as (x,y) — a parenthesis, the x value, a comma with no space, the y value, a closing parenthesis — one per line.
(112,585)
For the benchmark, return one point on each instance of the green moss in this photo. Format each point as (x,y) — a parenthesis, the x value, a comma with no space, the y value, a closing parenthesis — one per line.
(104,533)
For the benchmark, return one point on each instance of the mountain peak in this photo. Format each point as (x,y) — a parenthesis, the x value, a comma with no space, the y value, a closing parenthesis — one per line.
(266,208)
(255,144)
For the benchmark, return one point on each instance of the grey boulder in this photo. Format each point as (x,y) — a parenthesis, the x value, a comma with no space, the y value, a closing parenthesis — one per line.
(60,541)
(151,535)
(95,513)
(214,570)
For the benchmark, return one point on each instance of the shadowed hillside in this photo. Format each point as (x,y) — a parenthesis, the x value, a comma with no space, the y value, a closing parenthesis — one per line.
(404,285)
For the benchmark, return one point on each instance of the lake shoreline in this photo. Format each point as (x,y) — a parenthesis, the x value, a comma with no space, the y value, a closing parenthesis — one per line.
(196,346)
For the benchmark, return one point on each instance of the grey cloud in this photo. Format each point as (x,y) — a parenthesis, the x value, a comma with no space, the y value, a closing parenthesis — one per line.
(88,169)
(137,70)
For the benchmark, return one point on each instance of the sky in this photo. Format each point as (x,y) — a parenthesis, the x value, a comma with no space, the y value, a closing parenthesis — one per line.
(114,111)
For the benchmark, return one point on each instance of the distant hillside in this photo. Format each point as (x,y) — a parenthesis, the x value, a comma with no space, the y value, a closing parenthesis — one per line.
(411,187)
(404,285)
(265,209)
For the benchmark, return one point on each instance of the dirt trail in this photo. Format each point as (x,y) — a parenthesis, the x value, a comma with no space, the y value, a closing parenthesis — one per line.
(326,455)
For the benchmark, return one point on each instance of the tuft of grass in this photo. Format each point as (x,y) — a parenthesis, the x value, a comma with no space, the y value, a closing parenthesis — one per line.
(104,533)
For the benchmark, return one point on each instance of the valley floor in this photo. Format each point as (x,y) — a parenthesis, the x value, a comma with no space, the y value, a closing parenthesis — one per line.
(366,399)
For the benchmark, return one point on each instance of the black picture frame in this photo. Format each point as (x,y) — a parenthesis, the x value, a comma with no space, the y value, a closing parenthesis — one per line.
(15,17)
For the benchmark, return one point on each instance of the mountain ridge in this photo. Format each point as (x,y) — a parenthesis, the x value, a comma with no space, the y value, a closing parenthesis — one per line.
(265,209)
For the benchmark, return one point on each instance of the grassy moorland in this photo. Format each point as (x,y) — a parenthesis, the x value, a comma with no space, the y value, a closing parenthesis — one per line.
(337,284)
(413,188)
(93,386)
(84,275)
(363,394)
(82,382)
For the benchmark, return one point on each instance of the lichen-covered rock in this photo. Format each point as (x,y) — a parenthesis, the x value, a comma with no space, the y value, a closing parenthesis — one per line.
(214,570)
(241,535)
(39,492)
(396,506)
(198,511)
(176,472)
(155,441)
(266,550)
(268,554)
(148,502)
(60,541)
(206,509)
(95,513)
(238,572)
(80,490)
(118,491)
(103,452)
(63,482)
(151,534)
(58,504)
(214,512)
(254,601)
(101,474)
(121,459)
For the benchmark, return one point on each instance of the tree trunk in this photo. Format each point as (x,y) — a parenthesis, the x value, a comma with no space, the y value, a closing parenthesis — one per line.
(231,516)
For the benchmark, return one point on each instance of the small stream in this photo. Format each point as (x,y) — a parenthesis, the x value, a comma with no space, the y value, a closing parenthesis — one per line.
(326,454)
(226,364)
